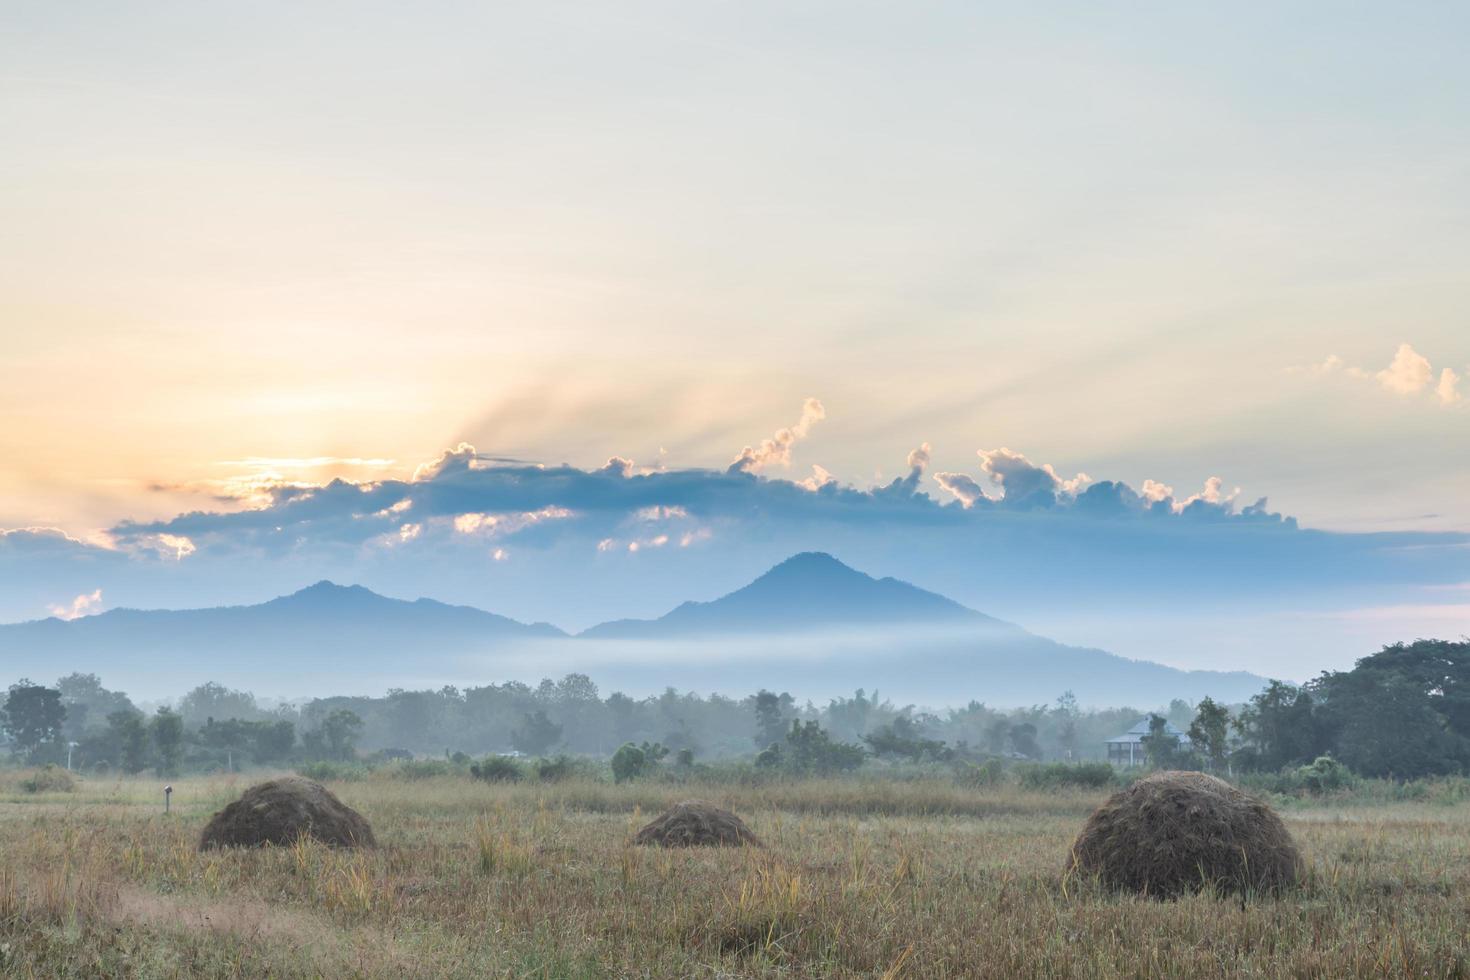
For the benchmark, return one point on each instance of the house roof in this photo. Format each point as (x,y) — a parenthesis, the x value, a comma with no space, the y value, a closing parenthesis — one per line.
(1136,733)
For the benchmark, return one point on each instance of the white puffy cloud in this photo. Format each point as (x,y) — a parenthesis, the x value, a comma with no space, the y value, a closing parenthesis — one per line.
(964,488)
(1021,480)
(621,465)
(1154,491)
(82,605)
(819,479)
(461,457)
(1213,493)
(1448,389)
(1408,373)
(777,449)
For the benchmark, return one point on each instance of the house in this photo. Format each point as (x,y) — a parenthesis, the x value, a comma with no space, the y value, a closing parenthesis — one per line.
(1127,749)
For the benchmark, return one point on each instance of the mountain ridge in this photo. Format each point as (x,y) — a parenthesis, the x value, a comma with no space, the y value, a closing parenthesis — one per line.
(810,624)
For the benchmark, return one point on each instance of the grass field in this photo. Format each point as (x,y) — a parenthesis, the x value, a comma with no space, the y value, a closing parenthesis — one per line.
(859,879)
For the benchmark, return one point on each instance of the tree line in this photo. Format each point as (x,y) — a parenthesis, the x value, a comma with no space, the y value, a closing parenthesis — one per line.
(1402,712)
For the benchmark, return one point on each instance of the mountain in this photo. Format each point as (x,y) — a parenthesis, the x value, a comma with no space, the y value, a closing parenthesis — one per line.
(809,591)
(325,629)
(816,627)
(811,625)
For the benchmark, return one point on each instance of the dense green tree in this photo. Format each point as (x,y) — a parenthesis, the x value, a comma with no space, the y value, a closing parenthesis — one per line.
(771,710)
(1161,747)
(1210,733)
(88,704)
(1279,728)
(1383,723)
(903,739)
(33,716)
(128,732)
(211,700)
(536,734)
(167,729)
(340,731)
(809,751)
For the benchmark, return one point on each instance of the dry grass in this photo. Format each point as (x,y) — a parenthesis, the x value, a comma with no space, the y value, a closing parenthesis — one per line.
(507,881)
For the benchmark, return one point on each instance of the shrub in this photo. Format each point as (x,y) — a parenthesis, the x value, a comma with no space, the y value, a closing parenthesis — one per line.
(1054,775)
(416,769)
(345,772)
(555,769)
(1325,775)
(632,761)
(49,779)
(498,769)
(987,773)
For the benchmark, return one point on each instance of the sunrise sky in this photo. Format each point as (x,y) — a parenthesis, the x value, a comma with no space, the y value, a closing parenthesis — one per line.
(248,250)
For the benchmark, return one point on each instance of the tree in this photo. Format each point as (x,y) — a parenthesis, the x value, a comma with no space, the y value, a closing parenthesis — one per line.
(340,731)
(273,740)
(770,717)
(88,704)
(1160,746)
(211,700)
(1023,740)
(1383,724)
(1279,729)
(631,761)
(903,739)
(1210,733)
(809,750)
(128,732)
(33,716)
(537,733)
(168,737)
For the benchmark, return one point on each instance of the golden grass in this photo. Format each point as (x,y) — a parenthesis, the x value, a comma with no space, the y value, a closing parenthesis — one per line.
(858,880)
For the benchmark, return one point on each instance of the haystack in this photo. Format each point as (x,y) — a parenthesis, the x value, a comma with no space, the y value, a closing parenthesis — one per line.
(694,823)
(1177,832)
(281,811)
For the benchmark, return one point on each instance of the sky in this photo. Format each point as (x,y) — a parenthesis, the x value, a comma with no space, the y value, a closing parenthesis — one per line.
(248,250)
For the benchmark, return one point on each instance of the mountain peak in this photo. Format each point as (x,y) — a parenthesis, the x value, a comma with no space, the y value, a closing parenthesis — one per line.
(808,591)
(328,591)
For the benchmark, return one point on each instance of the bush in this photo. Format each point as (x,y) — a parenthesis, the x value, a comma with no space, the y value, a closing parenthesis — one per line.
(1325,775)
(49,779)
(632,761)
(498,769)
(1055,775)
(345,772)
(416,769)
(554,770)
(987,773)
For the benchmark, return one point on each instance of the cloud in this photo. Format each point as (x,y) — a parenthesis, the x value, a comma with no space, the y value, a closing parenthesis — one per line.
(160,544)
(461,497)
(1023,484)
(461,457)
(83,605)
(819,479)
(964,488)
(1408,373)
(777,449)
(1155,492)
(1448,389)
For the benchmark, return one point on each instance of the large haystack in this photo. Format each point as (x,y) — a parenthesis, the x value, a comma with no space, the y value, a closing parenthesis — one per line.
(694,823)
(281,811)
(1177,832)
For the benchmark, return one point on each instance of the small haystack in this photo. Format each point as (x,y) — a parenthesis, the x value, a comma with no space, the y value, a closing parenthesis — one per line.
(283,810)
(1177,832)
(694,823)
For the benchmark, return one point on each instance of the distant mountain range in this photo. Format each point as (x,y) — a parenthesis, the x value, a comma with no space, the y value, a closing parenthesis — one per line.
(810,625)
